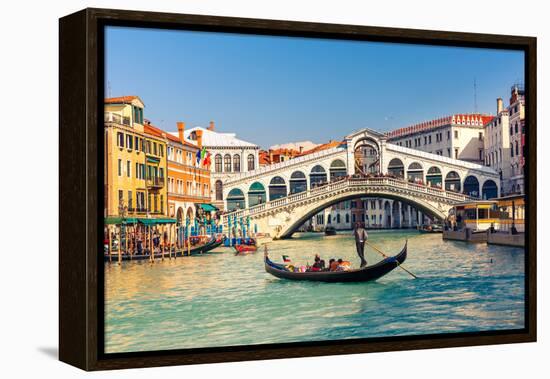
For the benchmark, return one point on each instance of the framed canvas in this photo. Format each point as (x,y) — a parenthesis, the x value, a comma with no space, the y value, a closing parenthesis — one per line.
(241,189)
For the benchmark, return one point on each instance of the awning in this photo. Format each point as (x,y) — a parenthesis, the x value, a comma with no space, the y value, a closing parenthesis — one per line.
(208,207)
(152,160)
(133,220)
(112,220)
(156,221)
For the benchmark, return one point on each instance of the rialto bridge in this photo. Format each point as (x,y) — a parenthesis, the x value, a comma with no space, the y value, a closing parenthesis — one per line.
(280,197)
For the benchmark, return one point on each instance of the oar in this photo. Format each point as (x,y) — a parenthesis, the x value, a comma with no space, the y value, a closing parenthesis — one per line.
(385,256)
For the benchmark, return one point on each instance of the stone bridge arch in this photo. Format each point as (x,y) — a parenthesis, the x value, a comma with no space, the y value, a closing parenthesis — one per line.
(294,218)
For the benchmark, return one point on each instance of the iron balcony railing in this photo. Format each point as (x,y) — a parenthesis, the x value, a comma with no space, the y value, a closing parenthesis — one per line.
(155,182)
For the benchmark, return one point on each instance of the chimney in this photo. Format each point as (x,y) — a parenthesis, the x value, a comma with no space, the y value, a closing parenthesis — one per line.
(211,126)
(499,105)
(301,149)
(199,138)
(181,129)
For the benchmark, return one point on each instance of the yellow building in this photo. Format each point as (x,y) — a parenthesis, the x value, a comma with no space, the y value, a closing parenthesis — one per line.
(135,162)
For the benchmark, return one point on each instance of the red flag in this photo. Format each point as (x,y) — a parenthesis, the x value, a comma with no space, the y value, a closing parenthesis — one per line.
(206,161)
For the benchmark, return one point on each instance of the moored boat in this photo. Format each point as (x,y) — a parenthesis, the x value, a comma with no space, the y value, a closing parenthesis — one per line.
(365,274)
(211,244)
(330,231)
(432,228)
(245,249)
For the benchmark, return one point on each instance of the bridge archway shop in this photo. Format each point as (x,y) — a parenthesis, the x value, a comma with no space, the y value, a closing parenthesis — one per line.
(235,200)
(298,182)
(256,194)
(277,188)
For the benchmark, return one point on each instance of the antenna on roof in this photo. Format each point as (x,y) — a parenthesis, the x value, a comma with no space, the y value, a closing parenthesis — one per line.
(108,89)
(475,95)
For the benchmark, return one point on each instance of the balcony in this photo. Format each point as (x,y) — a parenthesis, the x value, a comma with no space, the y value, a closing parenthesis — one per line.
(154,182)
(116,118)
(140,209)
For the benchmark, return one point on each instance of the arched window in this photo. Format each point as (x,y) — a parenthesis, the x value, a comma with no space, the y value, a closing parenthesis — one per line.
(298,182)
(317,176)
(219,188)
(277,188)
(511,150)
(489,190)
(452,181)
(347,218)
(396,168)
(235,200)
(227,163)
(434,177)
(218,163)
(236,163)
(516,128)
(250,162)
(415,173)
(337,169)
(256,194)
(471,186)
(338,218)
(517,148)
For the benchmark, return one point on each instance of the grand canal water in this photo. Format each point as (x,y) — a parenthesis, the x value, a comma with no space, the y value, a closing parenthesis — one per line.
(220,299)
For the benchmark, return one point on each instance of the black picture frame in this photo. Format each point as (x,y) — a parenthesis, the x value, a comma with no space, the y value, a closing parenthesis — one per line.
(81,74)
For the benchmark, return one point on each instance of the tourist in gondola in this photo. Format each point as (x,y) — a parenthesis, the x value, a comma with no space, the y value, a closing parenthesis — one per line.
(343,265)
(332,264)
(361,237)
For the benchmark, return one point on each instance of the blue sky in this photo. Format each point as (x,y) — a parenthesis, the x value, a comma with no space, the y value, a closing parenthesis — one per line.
(271,90)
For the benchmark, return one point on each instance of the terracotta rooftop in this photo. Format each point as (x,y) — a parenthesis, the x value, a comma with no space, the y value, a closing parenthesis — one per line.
(324,146)
(153,130)
(121,100)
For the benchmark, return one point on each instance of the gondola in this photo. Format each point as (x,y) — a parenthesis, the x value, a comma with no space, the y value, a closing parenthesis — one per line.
(364,274)
(197,250)
(330,231)
(433,228)
(245,249)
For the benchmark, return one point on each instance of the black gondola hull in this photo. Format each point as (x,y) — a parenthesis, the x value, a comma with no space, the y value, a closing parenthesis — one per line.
(365,274)
(210,245)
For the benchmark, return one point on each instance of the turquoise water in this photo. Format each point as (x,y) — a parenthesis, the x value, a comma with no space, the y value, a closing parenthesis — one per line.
(221,299)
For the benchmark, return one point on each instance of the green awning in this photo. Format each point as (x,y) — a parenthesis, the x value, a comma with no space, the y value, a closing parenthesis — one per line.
(156,221)
(153,160)
(117,220)
(208,207)
(112,220)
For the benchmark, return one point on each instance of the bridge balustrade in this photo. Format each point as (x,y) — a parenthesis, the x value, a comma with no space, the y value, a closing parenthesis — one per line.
(347,183)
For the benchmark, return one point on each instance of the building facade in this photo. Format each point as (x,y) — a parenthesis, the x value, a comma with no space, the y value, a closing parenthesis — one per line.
(229,156)
(188,180)
(516,114)
(460,136)
(504,145)
(135,162)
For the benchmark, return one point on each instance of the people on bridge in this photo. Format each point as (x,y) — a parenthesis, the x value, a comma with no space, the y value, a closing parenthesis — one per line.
(361,236)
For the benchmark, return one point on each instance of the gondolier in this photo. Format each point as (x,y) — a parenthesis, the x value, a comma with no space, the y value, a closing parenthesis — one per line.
(360,237)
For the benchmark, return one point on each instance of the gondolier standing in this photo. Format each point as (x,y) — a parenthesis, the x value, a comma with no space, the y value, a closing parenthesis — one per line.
(360,237)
